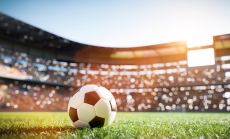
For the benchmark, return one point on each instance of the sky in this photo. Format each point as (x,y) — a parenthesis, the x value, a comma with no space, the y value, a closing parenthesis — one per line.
(124,23)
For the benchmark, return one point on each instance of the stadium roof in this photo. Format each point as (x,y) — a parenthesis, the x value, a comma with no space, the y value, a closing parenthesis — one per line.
(18,31)
(15,30)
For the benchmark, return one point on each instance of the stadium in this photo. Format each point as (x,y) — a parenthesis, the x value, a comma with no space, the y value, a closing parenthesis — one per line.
(40,71)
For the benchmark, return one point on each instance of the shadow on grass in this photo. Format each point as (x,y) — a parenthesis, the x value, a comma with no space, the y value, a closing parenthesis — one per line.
(50,129)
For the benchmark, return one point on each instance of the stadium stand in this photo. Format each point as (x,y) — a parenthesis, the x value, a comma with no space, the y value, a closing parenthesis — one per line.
(32,81)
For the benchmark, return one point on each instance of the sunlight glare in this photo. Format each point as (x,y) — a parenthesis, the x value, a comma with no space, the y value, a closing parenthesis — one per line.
(197,41)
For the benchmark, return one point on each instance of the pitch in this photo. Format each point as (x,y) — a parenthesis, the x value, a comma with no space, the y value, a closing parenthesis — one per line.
(126,125)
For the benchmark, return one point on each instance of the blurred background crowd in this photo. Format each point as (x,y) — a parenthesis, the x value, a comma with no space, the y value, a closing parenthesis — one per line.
(34,84)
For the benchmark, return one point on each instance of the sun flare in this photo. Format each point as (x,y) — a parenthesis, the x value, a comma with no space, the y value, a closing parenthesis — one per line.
(198,41)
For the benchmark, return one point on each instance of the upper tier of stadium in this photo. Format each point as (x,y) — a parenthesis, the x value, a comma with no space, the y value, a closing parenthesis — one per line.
(21,37)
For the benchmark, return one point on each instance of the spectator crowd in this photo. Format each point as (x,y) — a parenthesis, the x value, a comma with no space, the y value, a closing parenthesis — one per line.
(34,84)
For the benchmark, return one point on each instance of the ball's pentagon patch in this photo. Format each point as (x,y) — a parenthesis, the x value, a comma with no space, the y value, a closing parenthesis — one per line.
(91,98)
(73,114)
(97,122)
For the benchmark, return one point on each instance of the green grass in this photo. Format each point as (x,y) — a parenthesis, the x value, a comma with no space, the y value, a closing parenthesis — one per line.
(126,125)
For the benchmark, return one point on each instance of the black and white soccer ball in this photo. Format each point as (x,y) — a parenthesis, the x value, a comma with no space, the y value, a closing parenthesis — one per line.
(92,106)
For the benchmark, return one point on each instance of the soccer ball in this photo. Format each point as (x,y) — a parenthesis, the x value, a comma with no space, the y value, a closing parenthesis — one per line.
(92,106)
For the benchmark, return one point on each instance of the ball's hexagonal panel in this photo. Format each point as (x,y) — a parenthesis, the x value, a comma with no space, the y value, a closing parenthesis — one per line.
(104,93)
(102,108)
(110,118)
(113,104)
(73,114)
(76,100)
(86,112)
(91,98)
(97,122)
(78,97)
(81,124)
(88,88)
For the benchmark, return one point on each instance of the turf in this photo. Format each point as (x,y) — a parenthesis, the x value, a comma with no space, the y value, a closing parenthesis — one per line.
(126,125)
